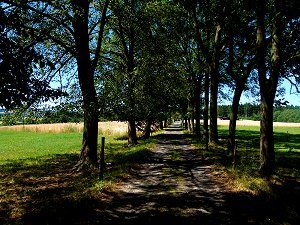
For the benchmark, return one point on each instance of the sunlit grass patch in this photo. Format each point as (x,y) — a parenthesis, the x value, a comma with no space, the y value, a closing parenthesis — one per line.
(245,170)
(36,177)
(17,145)
(111,128)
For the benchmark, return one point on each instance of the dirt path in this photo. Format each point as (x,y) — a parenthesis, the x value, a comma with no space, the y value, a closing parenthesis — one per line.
(174,187)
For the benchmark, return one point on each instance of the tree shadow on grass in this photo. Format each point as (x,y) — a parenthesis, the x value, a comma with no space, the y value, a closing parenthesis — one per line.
(63,200)
(284,188)
(287,150)
(177,188)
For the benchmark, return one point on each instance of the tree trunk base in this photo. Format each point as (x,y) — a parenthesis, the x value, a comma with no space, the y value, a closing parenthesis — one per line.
(267,170)
(84,163)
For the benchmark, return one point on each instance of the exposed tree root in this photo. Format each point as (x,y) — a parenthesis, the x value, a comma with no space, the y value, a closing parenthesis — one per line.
(84,164)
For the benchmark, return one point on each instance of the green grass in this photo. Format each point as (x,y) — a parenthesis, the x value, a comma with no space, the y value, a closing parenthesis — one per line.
(35,172)
(245,172)
(287,149)
(280,191)
(17,145)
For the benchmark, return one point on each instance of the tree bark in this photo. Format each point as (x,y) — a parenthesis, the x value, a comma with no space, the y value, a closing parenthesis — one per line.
(148,129)
(214,107)
(86,81)
(205,111)
(161,124)
(267,153)
(214,86)
(197,109)
(233,117)
(268,86)
(193,121)
(132,137)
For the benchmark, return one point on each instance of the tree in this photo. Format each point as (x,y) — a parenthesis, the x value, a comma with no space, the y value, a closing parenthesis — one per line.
(126,28)
(141,70)
(240,59)
(208,26)
(67,26)
(21,67)
(268,85)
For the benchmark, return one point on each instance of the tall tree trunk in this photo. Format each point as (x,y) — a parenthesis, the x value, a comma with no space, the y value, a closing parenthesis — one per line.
(193,121)
(198,79)
(197,109)
(214,86)
(148,129)
(214,107)
(233,117)
(240,84)
(161,124)
(132,137)
(205,111)
(267,153)
(86,81)
(268,86)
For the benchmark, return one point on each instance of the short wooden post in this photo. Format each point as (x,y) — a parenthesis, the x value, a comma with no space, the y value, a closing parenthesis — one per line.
(102,163)
(234,155)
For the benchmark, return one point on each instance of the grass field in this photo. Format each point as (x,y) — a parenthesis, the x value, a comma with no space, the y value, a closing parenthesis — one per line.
(17,145)
(36,165)
(105,128)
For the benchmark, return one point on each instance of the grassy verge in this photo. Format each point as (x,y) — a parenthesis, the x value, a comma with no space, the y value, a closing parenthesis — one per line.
(36,178)
(287,150)
(278,192)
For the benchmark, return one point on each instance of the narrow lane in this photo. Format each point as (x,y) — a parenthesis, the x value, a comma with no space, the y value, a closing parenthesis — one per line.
(175,187)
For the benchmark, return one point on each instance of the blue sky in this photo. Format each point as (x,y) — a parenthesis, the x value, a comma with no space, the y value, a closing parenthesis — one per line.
(290,95)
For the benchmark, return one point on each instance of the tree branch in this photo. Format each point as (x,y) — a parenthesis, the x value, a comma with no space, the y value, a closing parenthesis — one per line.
(100,36)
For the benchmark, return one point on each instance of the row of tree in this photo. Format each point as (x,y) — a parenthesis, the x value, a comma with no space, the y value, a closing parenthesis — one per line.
(142,60)
(63,113)
(252,112)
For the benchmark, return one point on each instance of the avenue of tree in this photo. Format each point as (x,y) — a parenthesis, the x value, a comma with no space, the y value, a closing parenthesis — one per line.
(140,61)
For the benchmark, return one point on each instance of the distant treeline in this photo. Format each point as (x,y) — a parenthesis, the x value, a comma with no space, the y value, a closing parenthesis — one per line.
(58,114)
(251,112)
(67,113)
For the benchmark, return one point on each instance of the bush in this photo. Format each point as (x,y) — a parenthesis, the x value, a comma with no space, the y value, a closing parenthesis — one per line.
(9,120)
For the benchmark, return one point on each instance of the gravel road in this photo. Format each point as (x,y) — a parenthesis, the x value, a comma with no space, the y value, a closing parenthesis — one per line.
(177,187)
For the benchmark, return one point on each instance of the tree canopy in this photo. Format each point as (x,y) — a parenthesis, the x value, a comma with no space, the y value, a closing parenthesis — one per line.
(137,61)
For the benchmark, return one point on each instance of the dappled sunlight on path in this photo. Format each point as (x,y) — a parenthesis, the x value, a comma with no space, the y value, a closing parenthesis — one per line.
(174,187)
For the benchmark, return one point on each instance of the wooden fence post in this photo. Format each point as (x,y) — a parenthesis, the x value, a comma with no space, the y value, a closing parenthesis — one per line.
(102,163)
(234,155)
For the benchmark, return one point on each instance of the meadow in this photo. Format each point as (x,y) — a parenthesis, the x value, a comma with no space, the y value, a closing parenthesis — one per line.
(36,164)
(31,141)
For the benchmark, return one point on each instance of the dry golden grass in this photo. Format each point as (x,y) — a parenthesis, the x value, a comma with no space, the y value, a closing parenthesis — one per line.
(105,128)
(257,123)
